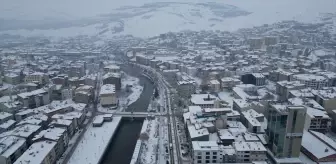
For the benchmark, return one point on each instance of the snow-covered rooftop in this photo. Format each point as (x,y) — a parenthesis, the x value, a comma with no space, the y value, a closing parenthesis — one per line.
(194,133)
(10,144)
(249,146)
(107,89)
(22,131)
(203,99)
(205,145)
(36,153)
(51,133)
(318,144)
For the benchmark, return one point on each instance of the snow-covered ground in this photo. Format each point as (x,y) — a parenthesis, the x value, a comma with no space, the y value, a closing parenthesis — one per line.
(146,18)
(226,96)
(136,88)
(150,146)
(125,99)
(94,142)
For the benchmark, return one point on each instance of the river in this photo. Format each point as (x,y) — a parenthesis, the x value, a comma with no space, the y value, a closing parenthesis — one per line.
(121,148)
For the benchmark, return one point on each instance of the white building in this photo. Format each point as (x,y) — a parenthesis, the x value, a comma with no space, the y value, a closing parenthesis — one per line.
(108,95)
(59,135)
(186,88)
(207,152)
(312,81)
(251,122)
(39,77)
(11,148)
(38,153)
(67,94)
(284,87)
(228,82)
(250,151)
(317,120)
(214,85)
(205,100)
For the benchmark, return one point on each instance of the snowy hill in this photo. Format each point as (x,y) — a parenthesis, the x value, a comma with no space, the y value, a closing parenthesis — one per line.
(146,18)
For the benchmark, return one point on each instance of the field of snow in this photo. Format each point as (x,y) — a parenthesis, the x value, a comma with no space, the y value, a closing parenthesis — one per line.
(94,142)
(145,18)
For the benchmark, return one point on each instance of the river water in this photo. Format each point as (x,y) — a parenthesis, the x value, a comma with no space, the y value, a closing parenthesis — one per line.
(121,148)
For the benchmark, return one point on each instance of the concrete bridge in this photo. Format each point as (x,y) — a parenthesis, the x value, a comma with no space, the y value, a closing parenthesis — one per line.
(139,114)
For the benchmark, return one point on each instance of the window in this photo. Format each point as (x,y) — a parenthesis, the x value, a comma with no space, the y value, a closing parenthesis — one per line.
(199,157)
(214,153)
(207,157)
(207,153)
(199,161)
(214,161)
(214,157)
(207,161)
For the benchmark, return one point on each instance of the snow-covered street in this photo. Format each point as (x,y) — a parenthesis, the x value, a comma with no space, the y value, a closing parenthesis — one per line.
(96,139)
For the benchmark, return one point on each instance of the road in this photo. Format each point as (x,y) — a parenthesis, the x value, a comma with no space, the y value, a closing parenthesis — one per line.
(175,152)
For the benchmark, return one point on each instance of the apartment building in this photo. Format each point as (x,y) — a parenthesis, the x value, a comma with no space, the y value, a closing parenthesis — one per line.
(11,148)
(113,78)
(312,81)
(285,129)
(249,151)
(186,88)
(34,98)
(39,152)
(205,100)
(326,98)
(283,88)
(257,79)
(214,85)
(37,77)
(317,120)
(107,95)
(12,78)
(206,152)
(229,83)
(59,135)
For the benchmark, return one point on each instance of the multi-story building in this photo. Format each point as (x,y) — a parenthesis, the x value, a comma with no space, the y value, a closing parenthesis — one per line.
(27,131)
(311,80)
(4,116)
(39,152)
(113,78)
(257,79)
(285,129)
(12,78)
(69,125)
(38,77)
(317,120)
(250,151)
(255,43)
(280,75)
(284,87)
(214,85)
(84,94)
(228,82)
(205,100)
(112,68)
(207,152)
(108,95)
(11,148)
(249,119)
(186,88)
(34,98)
(59,135)
(67,94)
(326,98)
